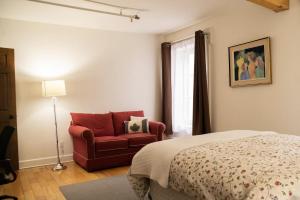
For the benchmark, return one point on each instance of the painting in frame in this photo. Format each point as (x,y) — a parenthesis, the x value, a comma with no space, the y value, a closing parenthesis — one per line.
(250,63)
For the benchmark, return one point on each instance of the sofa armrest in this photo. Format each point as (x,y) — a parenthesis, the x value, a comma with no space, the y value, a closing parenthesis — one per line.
(81,132)
(83,141)
(157,128)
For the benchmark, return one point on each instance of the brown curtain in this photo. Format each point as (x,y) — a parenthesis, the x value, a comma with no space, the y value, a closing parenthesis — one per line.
(166,86)
(201,119)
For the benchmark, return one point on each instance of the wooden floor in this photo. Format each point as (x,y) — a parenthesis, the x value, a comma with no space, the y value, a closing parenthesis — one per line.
(41,183)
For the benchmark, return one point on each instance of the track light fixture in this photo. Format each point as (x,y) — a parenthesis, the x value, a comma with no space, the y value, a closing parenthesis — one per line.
(120,14)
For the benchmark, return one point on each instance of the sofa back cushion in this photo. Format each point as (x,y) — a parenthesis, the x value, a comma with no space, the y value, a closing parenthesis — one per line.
(120,117)
(100,124)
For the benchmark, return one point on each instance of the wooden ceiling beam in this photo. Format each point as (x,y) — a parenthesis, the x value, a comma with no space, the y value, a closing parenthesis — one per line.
(275,5)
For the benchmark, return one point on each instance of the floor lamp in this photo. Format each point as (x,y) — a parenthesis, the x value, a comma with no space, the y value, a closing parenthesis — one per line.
(54,89)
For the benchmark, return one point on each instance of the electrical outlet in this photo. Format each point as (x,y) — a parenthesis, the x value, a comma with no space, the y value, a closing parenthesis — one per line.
(62,147)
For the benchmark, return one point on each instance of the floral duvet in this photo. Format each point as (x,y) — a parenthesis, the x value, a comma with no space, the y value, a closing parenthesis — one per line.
(259,167)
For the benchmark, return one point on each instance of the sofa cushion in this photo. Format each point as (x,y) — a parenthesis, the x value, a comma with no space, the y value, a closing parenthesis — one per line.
(139,139)
(109,143)
(120,117)
(100,124)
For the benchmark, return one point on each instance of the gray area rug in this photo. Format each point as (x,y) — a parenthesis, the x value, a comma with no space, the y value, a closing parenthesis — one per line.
(114,188)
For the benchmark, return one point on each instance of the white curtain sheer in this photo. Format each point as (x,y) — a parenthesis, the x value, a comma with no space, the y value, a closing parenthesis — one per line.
(182,85)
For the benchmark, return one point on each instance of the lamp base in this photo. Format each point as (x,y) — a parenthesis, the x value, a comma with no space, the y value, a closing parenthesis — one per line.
(59,166)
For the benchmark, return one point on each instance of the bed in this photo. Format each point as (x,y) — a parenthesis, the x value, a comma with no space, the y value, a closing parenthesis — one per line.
(236,164)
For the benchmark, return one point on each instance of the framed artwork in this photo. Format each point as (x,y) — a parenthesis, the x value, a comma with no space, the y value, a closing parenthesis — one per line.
(250,63)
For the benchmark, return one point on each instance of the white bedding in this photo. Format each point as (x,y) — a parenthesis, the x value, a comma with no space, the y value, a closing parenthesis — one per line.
(237,165)
(154,160)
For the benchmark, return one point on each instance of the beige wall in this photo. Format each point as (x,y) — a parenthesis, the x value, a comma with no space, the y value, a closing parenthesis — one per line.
(270,107)
(104,71)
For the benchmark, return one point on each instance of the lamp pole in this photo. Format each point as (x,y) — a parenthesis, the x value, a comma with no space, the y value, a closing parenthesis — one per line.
(59,165)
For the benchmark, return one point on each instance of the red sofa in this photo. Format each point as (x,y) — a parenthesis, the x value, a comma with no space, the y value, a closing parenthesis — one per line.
(99,140)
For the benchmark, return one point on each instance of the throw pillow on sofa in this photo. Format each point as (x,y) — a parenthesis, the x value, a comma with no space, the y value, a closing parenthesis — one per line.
(136,126)
(120,117)
(135,118)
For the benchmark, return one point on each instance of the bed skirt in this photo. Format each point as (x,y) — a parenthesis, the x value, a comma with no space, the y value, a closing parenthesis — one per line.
(157,192)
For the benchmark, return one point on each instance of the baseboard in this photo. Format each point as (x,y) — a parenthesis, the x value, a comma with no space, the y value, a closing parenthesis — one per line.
(44,161)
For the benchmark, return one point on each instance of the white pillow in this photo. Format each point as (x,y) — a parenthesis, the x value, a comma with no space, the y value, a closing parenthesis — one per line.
(137,125)
(134,118)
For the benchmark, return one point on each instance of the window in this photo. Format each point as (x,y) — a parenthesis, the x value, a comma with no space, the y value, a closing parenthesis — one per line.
(182,85)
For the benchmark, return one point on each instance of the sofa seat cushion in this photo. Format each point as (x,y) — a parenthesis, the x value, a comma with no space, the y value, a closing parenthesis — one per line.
(110,143)
(139,139)
(120,117)
(100,124)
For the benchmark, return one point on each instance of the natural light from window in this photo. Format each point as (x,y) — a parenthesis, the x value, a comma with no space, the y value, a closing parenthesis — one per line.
(182,85)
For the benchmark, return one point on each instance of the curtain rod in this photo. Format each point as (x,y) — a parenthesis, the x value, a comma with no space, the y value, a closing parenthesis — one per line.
(182,39)
(186,38)
(115,6)
(131,17)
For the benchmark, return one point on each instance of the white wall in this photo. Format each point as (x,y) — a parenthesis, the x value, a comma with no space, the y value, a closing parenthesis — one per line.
(104,71)
(269,107)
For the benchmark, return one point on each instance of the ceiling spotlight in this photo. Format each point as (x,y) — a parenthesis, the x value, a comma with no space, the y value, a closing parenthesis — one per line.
(136,17)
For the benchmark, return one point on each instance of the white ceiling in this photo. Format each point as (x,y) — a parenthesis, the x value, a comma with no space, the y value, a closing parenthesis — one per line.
(161,16)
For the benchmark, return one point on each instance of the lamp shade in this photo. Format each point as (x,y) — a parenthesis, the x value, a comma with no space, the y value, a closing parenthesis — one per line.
(53,88)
